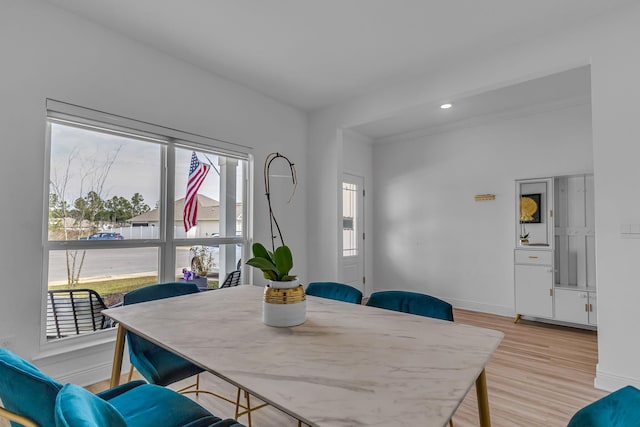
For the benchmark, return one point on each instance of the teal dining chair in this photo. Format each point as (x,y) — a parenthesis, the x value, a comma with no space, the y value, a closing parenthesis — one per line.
(412,302)
(162,367)
(76,407)
(29,398)
(618,409)
(335,291)
(155,364)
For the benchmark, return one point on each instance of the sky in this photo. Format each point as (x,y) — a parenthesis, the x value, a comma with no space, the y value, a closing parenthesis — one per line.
(86,155)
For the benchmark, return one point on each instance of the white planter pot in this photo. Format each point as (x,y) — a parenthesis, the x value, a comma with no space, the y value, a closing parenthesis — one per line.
(284,304)
(283,285)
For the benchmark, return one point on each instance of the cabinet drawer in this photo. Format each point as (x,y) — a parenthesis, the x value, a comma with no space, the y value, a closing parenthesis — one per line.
(534,257)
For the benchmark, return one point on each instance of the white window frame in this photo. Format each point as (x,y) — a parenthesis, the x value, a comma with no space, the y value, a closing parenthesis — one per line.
(169,139)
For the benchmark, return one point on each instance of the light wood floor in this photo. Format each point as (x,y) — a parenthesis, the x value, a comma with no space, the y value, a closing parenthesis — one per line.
(540,376)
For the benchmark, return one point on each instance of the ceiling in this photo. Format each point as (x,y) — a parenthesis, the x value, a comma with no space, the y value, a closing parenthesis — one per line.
(556,90)
(314,53)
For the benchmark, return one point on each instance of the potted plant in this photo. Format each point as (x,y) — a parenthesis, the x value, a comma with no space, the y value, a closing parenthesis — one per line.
(284,301)
(275,266)
(524,235)
(201,263)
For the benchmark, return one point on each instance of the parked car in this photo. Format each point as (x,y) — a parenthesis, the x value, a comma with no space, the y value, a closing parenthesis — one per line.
(104,235)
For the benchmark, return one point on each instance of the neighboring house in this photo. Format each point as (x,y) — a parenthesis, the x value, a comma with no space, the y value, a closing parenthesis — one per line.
(208,218)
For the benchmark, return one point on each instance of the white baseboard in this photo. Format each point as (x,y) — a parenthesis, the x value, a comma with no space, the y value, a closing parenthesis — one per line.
(481,307)
(611,382)
(85,377)
(83,363)
(92,374)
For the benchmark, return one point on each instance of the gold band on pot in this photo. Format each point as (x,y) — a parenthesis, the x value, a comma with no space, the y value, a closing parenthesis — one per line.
(284,296)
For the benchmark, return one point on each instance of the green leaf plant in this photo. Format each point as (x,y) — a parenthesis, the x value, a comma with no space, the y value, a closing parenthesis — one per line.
(274,265)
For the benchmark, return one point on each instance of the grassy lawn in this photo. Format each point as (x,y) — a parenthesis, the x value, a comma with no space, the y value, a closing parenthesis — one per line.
(115,286)
(121,286)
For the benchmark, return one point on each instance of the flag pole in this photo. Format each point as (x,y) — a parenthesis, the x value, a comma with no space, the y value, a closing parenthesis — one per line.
(211,164)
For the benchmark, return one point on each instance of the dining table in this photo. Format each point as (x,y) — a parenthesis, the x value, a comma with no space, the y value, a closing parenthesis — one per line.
(346,365)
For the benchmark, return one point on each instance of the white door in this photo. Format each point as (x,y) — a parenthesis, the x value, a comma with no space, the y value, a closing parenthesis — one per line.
(353,231)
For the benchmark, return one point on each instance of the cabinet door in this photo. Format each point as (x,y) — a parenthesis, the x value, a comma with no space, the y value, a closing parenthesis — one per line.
(593,309)
(572,306)
(533,290)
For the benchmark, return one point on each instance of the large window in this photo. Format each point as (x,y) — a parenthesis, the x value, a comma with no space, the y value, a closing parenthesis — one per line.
(125,211)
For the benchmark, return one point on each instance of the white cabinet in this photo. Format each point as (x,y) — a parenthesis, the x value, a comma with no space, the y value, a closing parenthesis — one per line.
(575,306)
(534,290)
(554,259)
(533,257)
(572,306)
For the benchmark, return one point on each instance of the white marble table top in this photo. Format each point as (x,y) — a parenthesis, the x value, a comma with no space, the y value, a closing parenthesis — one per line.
(347,365)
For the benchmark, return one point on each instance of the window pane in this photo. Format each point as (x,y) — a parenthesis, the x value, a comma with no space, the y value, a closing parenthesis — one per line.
(102,186)
(108,272)
(349,223)
(209,190)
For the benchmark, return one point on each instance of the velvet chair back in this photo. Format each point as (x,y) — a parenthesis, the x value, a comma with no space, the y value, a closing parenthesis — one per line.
(160,291)
(618,409)
(157,365)
(25,390)
(412,302)
(335,291)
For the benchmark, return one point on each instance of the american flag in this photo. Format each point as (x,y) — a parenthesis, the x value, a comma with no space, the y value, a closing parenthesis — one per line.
(197,173)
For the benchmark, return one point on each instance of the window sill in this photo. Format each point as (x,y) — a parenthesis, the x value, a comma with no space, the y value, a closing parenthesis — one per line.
(75,344)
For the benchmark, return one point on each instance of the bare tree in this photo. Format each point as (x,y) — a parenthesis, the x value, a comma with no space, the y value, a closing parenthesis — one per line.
(58,186)
(93,174)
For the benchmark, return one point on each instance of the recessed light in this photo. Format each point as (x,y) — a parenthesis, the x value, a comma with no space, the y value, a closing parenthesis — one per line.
(445,106)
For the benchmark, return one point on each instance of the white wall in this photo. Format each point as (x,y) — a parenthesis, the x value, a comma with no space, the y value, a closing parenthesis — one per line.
(432,236)
(616,108)
(324,157)
(48,53)
(609,45)
(357,156)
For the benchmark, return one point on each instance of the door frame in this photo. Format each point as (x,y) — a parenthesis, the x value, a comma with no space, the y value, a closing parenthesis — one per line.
(361,220)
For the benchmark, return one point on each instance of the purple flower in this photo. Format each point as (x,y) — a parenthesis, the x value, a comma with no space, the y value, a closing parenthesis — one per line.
(189,275)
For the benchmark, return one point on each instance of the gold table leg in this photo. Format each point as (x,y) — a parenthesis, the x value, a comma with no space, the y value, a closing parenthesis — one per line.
(117,357)
(483,400)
